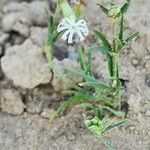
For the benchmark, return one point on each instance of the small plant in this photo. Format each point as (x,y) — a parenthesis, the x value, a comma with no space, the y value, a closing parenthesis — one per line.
(98,97)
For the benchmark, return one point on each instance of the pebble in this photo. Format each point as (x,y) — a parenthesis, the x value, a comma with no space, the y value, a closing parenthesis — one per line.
(46,113)
(147,113)
(147,80)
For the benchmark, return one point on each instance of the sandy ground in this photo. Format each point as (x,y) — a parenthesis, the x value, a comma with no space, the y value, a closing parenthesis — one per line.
(67,133)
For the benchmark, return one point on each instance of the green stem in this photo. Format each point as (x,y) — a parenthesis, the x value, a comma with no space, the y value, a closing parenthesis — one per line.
(48,53)
(106,143)
(57,11)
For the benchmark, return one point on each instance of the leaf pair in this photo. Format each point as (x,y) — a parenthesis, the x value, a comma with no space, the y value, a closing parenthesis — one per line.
(123,9)
(99,127)
(52,33)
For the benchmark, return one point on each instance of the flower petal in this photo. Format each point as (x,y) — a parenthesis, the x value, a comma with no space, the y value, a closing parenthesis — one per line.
(59,29)
(80,35)
(70,37)
(85,31)
(81,22)
(64,36)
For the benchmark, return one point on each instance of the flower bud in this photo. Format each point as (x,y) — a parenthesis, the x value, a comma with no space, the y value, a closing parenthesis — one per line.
(114,12)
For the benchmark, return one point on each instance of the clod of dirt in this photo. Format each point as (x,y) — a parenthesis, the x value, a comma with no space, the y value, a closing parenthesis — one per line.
(19,17)
(40,99)
(18,22)
(147,80)
(1,75)
(1,51)
(38,36)
(25,65)
(147,113)
(3,38)
(11,101)
(34,106)
(47,113)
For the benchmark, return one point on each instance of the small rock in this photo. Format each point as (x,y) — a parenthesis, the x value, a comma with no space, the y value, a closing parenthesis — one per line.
(1,51)
(147,113)
(47,113)
(37,12)
(135,61)
(25,65)
(15,7)
(60,51)
(19,17)
(15,40)
(38,36)
(72,53)
(34,106)
(1,75)
(21,28)
(18,22)
(40,99)
(147,80)
(11,101)
(3,38)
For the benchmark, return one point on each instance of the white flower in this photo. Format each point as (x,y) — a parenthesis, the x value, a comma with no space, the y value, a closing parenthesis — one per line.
(72,28)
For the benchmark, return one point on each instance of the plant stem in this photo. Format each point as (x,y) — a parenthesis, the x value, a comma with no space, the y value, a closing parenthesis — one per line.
(57,11)
(49,45)
(106,143)
(48,53)
(113,63)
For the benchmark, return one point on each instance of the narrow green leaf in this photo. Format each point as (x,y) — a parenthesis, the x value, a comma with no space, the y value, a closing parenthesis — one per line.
(80,74)
(67,10)
(102,38)
(97,111)
(132,36)
(96,84)
(55,37)
(125,7)
(90,63)
(110,64)
(50,29)
(83,62)
(112,125)
(99,48)
(104,9)
(121,28)
(117,113)
(65,104)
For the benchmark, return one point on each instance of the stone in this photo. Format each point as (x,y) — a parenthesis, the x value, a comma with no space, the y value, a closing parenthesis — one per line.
(18,22)
(40,99)
(11,102)
(37,12)
(19,17)
(3,38)
(147,80)
(1,51)
(47,113)
(1,75)
(38,36)
(15,6)
(147,113)
(34,106)
(23,29)
(26,66)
